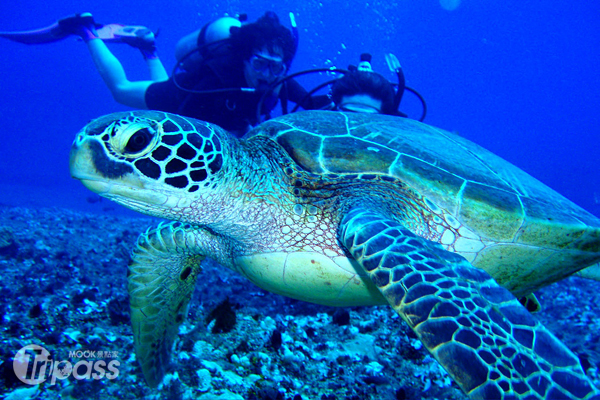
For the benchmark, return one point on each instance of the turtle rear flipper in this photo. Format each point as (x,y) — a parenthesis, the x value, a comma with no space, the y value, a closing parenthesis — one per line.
(477,330)
(161,280)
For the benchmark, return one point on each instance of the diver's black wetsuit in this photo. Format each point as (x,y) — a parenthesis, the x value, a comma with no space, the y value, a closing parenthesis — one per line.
(233,110)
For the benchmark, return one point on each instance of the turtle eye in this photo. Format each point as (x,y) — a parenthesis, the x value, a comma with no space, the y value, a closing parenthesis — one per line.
(138,141)
(133,139)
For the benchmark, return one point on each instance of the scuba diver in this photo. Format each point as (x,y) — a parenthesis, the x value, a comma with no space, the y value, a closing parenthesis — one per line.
(363,90)
(360,89)
(225,70)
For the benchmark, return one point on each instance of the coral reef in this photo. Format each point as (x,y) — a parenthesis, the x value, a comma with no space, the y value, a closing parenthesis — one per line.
(64,288)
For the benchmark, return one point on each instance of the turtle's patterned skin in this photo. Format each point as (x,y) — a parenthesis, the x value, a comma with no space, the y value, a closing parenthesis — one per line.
(349,209)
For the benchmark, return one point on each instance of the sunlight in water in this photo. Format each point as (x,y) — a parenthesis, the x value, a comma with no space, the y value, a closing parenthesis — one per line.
(450,5)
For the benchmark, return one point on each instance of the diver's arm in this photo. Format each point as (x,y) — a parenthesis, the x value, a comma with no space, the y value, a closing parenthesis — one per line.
(158,73)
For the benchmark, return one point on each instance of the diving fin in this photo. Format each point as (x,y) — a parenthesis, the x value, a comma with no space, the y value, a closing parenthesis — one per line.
(57,31)
(139,37)
(136,36)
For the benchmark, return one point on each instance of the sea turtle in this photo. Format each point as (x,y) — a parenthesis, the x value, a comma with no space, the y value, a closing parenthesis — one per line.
(349,209)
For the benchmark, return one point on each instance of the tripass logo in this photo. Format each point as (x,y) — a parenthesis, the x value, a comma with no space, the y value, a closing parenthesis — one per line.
(33,365)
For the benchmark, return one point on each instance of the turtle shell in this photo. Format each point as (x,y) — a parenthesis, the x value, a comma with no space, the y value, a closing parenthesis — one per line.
(529,234)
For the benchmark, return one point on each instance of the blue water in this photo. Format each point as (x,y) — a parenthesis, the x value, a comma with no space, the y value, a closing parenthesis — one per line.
(517,77)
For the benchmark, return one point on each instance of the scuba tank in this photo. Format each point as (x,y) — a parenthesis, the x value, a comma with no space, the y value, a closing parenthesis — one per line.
(191,49)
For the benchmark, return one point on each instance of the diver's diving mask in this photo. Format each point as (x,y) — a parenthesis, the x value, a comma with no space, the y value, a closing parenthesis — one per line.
(260,63)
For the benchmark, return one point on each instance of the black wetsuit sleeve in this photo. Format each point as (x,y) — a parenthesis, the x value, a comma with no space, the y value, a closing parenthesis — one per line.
(299,95)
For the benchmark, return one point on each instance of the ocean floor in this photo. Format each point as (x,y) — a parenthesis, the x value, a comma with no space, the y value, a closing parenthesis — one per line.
(64,288)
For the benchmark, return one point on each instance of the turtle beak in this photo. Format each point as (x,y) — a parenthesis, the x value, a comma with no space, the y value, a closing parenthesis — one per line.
(82,167)
(89,161)
(115,180)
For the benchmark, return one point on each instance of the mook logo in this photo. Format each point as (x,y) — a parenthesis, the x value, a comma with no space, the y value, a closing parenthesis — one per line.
(33,365)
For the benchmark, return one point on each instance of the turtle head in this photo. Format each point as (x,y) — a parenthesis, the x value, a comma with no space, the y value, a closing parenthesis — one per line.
(150,161)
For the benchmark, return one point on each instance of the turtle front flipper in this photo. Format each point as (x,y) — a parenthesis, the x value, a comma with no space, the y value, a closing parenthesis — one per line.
(161,280)
(477,330)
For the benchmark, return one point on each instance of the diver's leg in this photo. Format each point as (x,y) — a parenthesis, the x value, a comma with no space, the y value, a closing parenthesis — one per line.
(158,73)
(144,39)
(128,93)
(124,91)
